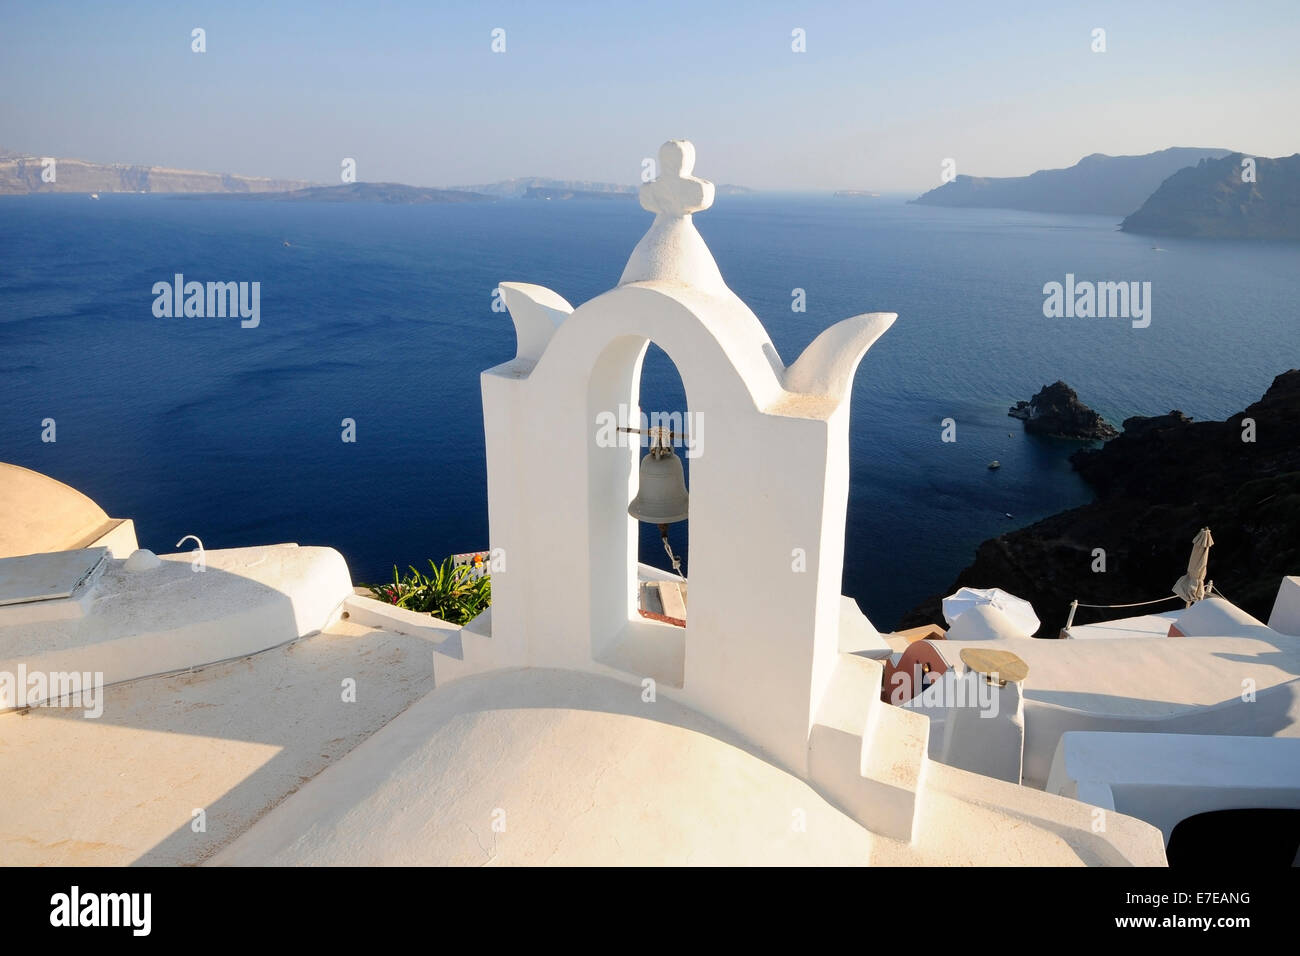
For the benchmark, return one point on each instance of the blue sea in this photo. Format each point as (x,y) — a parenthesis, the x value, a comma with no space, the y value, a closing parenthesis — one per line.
(382,314)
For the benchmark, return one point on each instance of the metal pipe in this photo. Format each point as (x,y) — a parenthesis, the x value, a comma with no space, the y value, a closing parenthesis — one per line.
(1069,621)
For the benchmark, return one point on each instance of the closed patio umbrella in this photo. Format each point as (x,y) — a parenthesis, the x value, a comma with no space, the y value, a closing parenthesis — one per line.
(1191,587)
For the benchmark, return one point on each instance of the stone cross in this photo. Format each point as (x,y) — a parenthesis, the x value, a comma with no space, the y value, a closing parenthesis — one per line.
(676,192)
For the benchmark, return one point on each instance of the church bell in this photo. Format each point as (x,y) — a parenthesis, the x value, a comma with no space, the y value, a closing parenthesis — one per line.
(661,498)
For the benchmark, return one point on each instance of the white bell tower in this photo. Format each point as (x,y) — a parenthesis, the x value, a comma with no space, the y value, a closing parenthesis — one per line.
(769,487)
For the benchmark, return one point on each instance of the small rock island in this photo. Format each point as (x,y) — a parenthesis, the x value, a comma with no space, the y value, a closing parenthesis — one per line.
(1057,412)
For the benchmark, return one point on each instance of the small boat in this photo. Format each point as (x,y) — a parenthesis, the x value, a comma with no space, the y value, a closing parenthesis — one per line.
(995,465)
(286,242)
(94,195)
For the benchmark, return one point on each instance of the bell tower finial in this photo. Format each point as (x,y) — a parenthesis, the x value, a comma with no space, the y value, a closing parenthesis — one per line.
(676,192)
(672,251)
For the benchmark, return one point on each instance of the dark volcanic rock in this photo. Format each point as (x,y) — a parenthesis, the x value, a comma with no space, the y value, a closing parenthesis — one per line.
(1057,411)
(1139,425)
(1157,484)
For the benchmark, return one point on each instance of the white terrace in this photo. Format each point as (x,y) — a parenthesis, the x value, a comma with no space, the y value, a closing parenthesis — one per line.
(260,711)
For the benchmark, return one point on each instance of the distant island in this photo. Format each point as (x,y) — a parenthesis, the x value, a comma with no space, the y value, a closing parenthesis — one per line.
(395,194)
(20,174)
(1096,184)
(400,194)
(855,194)
(1225,199)
(554,192)
(518,188)
(537,187)
(1157,484)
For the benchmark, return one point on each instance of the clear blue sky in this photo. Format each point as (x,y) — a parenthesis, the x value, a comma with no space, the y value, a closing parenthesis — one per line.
(883,94)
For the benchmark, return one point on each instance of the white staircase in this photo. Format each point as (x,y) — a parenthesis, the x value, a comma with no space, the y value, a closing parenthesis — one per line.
(868,756)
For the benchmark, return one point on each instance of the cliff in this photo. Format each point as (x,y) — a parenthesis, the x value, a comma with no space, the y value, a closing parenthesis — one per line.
(1157,484)
(20,175)
(1097,184)
(1211,200)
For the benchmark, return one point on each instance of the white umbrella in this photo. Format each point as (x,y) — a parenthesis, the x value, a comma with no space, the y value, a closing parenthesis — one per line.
(1020,611)
(1191,587)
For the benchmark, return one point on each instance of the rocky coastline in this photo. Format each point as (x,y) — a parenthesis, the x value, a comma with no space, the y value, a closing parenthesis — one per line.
(1159,482)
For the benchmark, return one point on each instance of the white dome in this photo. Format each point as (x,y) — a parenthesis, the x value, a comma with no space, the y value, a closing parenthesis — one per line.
(578,770)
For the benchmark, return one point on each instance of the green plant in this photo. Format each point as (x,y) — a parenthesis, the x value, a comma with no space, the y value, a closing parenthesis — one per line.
(451,592)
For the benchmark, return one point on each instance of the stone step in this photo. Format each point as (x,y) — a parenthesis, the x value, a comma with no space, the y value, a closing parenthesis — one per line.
(894,757)
(389,617)
(474,652)
(457,651)
(868,756)
(846,704)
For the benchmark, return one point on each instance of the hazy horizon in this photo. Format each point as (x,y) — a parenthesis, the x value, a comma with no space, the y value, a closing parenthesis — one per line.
(775,191)
(416,95)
